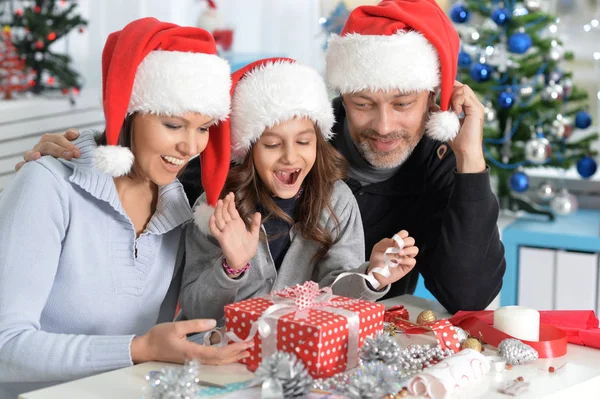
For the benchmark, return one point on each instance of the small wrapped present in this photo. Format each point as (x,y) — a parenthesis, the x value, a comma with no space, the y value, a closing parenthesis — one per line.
(395,313)
(323,330)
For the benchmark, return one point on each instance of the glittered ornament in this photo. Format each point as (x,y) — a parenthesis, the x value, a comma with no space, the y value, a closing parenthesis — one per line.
(546,191)
(562,127)
(460,14)
(586,167)
(538,150)
(481,72)
(285,375)
(519,182)
(175,382)
(583,120)
(507,99)
(472,343)
(501,16)
(464,59)
(533,5)
(39,45)
(520,10)
(564,203)
(37,9)
(519,43)
(462,334)
(51,36)
(553,92)
(426,317)
(516,352)
(382,348)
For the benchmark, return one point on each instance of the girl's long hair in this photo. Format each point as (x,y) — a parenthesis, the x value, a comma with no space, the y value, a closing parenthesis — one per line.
(330,166)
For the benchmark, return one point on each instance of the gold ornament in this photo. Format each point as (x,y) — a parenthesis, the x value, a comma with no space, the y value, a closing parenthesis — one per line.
(426,317)
(391,329)
(6,29)
(472,343)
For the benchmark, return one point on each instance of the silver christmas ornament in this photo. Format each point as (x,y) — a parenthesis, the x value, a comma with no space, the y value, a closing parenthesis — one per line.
(562,127)
(520,10)
(556,53)
(546,191)
(490,114)
(462,334)
(564,203)
(38,56)
(533,5)
(471,35)
(538,150)
(516,352)
(284,373)
(554,76)
(381,348)
(553,92)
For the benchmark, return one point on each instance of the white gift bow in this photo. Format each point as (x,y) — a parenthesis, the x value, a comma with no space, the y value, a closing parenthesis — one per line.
(388,263)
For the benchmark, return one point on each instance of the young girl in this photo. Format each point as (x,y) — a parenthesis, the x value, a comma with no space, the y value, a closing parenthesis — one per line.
(91,253)
(287,173)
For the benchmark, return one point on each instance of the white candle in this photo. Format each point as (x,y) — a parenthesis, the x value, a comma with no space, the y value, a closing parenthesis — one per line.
(519,322)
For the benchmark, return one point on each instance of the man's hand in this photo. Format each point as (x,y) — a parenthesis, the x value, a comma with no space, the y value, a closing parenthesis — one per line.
(467,145)
(57,145)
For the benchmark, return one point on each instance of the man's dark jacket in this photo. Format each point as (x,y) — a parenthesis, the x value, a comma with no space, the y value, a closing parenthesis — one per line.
(452,217)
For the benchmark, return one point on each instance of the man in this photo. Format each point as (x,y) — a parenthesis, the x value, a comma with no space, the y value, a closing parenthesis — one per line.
(387,65)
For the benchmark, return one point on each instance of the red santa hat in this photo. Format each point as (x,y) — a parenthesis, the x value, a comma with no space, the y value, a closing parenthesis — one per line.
(164,69)
(265,93)
(409,45)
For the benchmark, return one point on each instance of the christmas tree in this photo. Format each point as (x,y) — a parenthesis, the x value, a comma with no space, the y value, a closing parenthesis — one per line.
(14,75)
(512,58)
(37,26)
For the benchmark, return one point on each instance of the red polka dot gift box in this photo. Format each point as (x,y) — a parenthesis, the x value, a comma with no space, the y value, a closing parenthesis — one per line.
(324,330)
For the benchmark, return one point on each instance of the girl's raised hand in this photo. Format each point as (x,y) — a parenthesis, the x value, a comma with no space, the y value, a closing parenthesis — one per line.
(237,242)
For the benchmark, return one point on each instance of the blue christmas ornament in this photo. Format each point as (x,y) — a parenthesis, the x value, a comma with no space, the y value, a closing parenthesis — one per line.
(586,167)
(460,14)
(583,120)
(507,99)
(501,16)
(481,72)
(519,182)
(519,43)
(334,23)
(464,59)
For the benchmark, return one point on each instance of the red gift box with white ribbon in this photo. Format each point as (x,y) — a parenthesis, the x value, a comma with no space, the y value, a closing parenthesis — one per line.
(323,330)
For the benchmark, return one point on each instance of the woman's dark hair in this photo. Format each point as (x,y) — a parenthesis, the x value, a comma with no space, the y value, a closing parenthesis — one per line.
(330,166)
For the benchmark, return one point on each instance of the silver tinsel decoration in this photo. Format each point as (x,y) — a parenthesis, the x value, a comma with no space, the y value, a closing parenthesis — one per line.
(381,348)
(285,373)
(462,334)
(174,382)
(516,352)
(372,380)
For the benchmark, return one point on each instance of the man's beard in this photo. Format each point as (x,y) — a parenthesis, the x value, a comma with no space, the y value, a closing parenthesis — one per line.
(390,159)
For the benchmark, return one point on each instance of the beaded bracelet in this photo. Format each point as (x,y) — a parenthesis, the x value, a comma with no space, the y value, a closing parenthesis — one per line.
(229,270)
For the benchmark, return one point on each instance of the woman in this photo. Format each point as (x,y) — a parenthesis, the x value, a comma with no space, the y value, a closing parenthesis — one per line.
(91,248)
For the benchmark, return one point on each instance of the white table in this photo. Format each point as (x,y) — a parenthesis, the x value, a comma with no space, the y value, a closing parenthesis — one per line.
(577,375)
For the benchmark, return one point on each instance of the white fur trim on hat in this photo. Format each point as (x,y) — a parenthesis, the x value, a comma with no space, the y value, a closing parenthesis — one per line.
(202,215)
(404,61)
(114,160)
(174,82)
(274,93)
(442,126)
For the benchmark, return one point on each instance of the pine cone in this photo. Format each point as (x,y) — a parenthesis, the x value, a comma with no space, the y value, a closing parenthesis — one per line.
(289,371)
(516,352)
(382,348)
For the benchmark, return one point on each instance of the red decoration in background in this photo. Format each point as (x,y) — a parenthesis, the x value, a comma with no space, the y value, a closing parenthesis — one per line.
(75,90)
(37,9)
(14,74)
(19,12)
(81,30)
(63,2)
(39,44)
(51,36)
(65,91)
(51,80)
